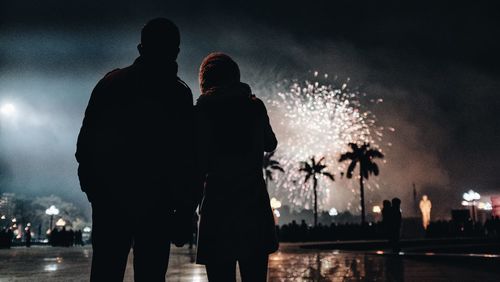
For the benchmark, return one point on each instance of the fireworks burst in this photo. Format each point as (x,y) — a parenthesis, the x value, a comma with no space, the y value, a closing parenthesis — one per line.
(318,119)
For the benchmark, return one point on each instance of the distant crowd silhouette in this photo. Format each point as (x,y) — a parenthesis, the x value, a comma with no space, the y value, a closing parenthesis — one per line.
(66,238)
(6,236)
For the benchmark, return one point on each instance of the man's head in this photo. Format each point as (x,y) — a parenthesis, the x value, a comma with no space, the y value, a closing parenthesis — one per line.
(396,202)
(160,39)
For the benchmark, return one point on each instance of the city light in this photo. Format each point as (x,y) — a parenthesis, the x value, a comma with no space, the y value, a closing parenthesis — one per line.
(333,212)
(471,196)
(277,213)
(52,210)
(275,204)
(60,222)
(377,209)
(470,200)
(484,206)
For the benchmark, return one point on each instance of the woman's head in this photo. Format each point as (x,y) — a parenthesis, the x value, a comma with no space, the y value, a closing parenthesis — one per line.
(218,70)
(386,204)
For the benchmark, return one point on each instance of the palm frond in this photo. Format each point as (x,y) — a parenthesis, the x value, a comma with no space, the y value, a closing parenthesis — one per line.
(354,146)
(329,175)
(347,156)
(313,161)
(319,168)
(273,162)
(374,169)
(277,167)
(374,153)
(269,175)
(321,160)
(307,177)
(350,169)
(306,166)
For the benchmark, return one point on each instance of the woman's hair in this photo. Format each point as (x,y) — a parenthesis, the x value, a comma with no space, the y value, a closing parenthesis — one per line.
(218,70)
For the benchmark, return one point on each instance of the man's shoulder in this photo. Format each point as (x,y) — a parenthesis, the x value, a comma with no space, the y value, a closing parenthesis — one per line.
(183,85)
(117,74)
(183,88)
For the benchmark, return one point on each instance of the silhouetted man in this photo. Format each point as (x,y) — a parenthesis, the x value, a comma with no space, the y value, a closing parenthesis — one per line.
(395,224)
(135,165)
(387,218)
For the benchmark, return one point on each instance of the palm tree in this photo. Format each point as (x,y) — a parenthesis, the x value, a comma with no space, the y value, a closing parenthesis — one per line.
(364,156)
(269,165)
(313,170)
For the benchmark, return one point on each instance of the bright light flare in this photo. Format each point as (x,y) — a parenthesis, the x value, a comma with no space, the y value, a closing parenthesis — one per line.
(471,196)
(275,204)
(333,212)
(7,109)
(52,210)
(377,209)
(60,222)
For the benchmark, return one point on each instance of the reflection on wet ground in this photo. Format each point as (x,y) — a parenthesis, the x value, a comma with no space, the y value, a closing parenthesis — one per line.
(289,264)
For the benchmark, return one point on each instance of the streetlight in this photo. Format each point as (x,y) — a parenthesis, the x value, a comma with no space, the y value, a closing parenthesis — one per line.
(7,109)
(275,205)
(333,212)
(52,210)
(470,200)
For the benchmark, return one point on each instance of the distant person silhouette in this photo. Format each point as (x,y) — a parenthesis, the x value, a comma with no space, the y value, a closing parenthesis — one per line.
(236,221)
(135,151)
(27,237)
(395,224)
(387,218)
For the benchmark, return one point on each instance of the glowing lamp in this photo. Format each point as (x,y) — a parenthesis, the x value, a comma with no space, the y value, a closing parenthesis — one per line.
(333,212)
(52,210)
(275,204)
(60,222)
(471,196)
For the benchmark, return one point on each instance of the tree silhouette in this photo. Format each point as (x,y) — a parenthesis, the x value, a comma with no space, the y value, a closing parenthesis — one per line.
(364,156)
(313,170)
(269,166)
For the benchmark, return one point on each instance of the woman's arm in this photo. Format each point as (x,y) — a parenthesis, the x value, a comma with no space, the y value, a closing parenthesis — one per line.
(270,141)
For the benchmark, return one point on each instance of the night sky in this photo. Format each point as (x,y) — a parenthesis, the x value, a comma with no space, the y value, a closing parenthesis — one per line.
(434,64)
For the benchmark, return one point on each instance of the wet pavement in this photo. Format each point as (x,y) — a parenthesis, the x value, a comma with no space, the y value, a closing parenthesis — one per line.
(291,263)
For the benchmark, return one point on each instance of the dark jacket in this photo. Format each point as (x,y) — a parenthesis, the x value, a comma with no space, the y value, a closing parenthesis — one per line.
(135,144)
(233,134)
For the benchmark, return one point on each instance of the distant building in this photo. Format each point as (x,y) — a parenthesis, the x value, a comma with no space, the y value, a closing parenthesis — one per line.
(7,204)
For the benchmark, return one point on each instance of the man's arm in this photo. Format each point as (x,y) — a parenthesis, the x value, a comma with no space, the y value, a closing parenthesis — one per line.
(189,197)
(88,141)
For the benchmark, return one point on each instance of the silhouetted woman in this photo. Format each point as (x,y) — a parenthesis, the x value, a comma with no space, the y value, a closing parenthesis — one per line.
(236,222)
